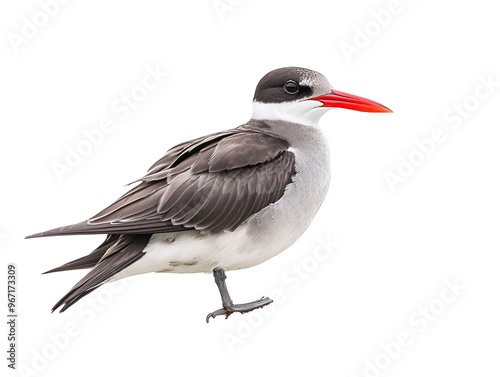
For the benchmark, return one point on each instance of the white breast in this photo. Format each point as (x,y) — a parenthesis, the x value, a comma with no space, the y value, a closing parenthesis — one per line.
(279,225)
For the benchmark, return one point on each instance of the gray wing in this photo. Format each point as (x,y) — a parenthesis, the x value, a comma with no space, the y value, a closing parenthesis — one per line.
(210,184)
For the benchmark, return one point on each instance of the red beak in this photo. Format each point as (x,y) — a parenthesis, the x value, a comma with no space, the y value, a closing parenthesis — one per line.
(352,102)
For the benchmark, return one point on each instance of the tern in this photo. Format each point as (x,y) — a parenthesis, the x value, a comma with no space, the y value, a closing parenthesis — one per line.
(226,201)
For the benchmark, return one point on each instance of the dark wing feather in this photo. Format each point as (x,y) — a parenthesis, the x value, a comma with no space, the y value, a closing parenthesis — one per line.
(211,184)
(90,260)
(144,226)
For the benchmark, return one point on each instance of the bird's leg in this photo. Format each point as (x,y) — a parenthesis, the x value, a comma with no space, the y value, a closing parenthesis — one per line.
(228,307)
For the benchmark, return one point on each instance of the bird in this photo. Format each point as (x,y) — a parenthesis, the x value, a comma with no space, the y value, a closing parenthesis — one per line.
(225,201)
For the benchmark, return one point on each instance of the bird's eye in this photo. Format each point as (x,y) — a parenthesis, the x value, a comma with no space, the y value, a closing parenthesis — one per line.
(291,87)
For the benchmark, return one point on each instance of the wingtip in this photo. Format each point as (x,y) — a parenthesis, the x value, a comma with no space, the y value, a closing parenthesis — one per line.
(59,231)
(37,235)
(57,269)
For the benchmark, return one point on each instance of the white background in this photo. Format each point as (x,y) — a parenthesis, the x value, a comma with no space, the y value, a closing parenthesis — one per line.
(398,248)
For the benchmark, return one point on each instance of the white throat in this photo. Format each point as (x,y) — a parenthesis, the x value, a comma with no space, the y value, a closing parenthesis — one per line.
(306,112)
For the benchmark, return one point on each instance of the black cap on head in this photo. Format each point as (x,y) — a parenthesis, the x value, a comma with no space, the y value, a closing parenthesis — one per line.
(288,84)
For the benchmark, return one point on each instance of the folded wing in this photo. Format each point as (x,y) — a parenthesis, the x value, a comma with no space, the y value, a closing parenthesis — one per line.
(211,184)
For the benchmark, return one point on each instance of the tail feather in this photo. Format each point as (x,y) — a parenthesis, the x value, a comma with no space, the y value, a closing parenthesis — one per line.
(122,252)
(90,260)
(73,300)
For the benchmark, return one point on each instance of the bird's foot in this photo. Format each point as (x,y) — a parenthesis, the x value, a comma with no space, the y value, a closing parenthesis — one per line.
(230,308)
